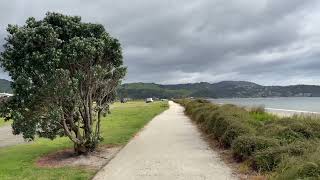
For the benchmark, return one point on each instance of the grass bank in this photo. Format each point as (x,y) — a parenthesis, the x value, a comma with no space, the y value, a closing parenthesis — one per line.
(17,162)
(280,148)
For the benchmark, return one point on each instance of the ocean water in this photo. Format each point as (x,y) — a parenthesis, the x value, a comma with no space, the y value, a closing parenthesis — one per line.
(289,104)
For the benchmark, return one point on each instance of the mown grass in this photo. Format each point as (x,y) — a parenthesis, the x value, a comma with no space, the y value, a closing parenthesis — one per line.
(279,147)
(18,162)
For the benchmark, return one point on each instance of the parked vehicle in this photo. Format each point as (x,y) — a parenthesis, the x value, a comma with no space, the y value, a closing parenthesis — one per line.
(149,100)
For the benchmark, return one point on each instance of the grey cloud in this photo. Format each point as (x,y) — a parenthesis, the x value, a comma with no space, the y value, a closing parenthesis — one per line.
(206,40)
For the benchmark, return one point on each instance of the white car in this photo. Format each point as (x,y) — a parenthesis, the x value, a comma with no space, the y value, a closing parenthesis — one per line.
(149,100)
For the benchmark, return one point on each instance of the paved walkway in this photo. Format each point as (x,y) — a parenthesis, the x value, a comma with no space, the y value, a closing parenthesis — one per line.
(7,138)
(169,148)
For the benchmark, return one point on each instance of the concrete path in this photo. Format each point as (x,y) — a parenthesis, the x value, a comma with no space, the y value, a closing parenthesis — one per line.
(7,138)
(169,148)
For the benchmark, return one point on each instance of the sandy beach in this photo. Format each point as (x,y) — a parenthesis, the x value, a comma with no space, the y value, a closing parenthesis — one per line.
(287,112)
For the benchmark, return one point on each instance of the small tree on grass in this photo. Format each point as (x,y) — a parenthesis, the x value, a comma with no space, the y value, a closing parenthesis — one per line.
(65,74)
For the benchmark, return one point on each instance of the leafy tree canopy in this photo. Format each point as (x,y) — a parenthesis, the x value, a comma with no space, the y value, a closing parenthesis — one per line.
(65,73)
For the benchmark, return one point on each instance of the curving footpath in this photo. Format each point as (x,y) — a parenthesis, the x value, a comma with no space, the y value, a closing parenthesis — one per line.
(169,148)
(7,138)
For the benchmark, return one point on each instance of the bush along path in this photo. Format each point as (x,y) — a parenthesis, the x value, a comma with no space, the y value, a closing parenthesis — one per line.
(170,147)
(279,148)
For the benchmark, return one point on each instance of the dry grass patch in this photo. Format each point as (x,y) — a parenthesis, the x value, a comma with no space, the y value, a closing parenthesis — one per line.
(93,161)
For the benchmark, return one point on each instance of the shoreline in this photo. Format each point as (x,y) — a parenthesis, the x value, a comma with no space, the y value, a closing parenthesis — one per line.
(290,112)
(281,112)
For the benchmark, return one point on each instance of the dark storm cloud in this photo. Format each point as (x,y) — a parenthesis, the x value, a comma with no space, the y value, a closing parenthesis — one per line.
(266,41)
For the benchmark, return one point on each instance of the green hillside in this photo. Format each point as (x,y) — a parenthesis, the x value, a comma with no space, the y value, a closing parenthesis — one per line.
(224,89)
(5,86)
(143,90)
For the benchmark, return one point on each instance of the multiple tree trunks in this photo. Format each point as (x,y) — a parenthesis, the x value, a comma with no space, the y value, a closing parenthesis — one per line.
(65,73)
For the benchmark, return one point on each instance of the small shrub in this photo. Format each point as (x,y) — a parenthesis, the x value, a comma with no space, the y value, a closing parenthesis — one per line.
(288,135)
(302,129)
(199,117)
(245,146)
(190,106)
(195,111)
(257,110)
(309,170)
(222,123)
(269,159)
(202,101)
(312,122)
(305,167)
(209,122)
(164,105)
(287,130)
(234,130)
(201,112)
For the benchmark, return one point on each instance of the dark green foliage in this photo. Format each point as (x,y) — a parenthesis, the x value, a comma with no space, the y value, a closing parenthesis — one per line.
(288,130)
(210,122)
(310,124)
(234,130)
(201,112)
(222,122)
(269,143)
(202,101)
(310,170)
(146,90)
(245,146)
(269,159)
(60,67)
(306,167)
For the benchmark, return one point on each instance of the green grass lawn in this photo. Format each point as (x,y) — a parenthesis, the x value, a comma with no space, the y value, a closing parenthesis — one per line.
(17,162)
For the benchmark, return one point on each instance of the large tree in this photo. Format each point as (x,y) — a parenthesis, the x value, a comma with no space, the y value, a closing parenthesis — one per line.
(65,73)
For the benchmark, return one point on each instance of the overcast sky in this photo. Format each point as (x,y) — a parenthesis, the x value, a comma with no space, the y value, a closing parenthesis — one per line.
(270,42)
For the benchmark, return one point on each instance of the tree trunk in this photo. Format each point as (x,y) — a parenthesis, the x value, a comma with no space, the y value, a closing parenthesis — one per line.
(80,149)
(89,146)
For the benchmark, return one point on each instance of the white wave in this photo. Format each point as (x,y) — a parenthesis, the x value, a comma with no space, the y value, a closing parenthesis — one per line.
(278,109)
(291,110)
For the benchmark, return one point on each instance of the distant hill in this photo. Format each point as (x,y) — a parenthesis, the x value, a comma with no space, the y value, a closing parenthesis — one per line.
(5,86)
(224,89)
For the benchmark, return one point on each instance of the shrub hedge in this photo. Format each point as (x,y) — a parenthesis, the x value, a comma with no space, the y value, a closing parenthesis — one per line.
(278,146)
(245,146)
